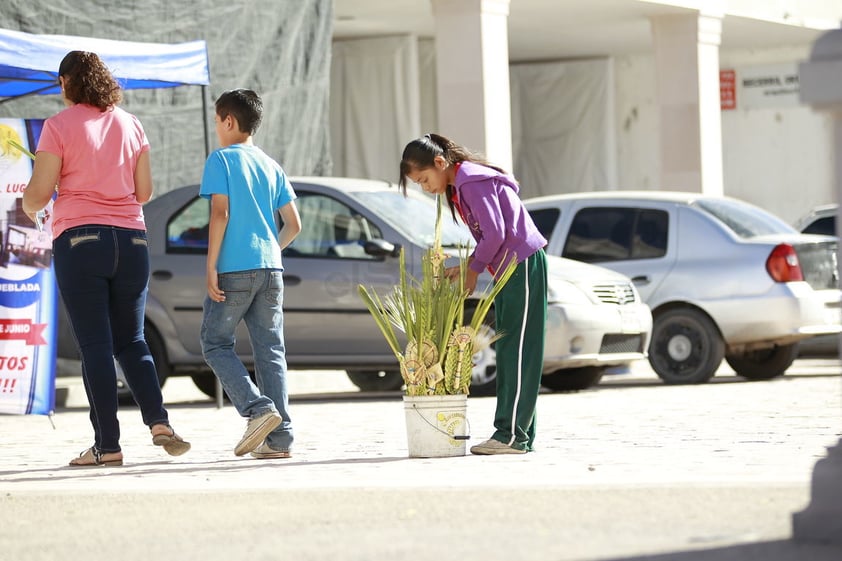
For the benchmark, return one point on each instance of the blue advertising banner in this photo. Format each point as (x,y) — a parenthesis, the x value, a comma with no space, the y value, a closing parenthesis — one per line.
(28,293)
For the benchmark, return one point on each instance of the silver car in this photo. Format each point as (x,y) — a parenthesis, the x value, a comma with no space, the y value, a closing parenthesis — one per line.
(723,278)
(352,234)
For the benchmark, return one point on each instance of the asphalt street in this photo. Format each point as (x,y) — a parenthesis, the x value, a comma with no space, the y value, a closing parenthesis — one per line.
(630,470)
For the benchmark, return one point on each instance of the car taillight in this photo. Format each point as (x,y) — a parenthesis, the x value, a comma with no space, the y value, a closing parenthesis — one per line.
(783,265)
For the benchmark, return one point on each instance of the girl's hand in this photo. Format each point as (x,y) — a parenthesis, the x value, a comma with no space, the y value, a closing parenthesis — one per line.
(452,273)
(470,281)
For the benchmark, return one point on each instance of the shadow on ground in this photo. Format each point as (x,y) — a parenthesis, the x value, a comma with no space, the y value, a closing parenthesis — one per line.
(781,550)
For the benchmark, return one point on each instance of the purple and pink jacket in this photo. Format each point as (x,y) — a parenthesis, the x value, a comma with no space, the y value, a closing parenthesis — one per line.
(489,205)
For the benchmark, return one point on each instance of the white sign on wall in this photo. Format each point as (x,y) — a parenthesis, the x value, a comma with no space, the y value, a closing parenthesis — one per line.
(767,86)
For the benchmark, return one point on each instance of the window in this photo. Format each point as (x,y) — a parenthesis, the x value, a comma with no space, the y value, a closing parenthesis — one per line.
(330,228)
(825,226)
(745,220)
(545,220)
(187,230)
(650,234)
(605,234)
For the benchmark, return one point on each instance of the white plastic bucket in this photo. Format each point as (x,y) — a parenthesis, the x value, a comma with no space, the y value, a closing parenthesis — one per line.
(436,425)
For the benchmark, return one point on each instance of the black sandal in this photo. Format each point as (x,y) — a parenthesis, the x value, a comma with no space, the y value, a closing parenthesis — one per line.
(93,457)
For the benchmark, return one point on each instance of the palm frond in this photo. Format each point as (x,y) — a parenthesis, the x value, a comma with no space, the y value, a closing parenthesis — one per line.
(430,312)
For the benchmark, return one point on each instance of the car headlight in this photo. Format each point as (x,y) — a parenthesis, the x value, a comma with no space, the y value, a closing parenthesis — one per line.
(565,292)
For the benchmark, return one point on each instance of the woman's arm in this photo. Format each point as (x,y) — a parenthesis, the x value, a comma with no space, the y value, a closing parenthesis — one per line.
(42,184)
(143,178)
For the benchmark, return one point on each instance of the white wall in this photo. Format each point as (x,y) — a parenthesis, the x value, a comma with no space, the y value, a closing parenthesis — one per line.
(778,158)
(638,144)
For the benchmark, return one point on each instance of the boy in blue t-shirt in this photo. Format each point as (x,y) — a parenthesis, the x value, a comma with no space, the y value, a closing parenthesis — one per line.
(245,274)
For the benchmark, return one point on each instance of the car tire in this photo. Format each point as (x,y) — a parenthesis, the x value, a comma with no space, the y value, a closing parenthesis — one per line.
(206,383)
(124,394)
(686,346)
(376,380)
(159,353)
(573,379)
(763,364)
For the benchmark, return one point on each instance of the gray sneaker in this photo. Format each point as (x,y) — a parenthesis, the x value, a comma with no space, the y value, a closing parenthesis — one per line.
(256,432)
(265,452)
(492,446)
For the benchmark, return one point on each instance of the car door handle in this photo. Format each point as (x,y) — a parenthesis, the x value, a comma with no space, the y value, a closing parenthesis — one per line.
(641,279)
(162,275)
(291,280)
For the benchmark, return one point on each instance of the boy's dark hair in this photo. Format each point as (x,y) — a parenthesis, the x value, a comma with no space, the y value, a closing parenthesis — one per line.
(244,105)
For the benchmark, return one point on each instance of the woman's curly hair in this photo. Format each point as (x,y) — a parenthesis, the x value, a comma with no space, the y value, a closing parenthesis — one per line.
(87,80)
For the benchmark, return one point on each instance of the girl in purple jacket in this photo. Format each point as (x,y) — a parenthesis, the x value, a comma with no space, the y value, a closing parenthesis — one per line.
(486,199)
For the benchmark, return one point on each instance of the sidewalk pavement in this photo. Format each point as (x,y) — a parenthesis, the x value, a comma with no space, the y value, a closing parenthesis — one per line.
(630,470)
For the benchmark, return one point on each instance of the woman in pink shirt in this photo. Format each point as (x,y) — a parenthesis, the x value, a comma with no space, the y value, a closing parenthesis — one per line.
(98,156)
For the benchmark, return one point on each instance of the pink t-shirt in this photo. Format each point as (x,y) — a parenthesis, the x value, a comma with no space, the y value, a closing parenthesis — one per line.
(99,152)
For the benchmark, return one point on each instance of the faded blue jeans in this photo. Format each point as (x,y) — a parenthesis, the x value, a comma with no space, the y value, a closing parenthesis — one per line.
(103,275)
(256,297)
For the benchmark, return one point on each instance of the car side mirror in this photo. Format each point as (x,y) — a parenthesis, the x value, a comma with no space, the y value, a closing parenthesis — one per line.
(382,248)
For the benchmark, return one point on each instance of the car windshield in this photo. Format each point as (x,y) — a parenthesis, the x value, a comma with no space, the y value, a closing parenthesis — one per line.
(743,219)
(415,217)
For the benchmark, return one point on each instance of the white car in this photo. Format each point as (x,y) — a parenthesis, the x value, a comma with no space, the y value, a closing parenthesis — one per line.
(352,232)
(723,278)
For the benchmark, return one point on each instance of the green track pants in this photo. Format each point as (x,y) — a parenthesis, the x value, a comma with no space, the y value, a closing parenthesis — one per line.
(520,311)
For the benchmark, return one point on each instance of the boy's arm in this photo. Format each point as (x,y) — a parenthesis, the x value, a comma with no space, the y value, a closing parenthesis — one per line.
(292,224)
(216,231)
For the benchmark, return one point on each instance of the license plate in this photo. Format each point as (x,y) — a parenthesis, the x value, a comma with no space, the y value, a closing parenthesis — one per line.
(629,322)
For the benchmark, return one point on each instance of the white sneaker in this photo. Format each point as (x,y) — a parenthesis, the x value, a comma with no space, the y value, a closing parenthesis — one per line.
(265,452)
(492,446)
(256,432)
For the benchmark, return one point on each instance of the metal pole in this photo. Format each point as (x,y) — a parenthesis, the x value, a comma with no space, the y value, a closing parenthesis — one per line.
(205,104)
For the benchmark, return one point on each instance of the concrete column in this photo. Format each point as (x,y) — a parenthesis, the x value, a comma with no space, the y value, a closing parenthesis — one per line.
(687,68)
(821,87)
(472,70)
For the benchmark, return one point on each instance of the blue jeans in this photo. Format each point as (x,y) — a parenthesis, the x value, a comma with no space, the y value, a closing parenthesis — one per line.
(255,296)
(103,277)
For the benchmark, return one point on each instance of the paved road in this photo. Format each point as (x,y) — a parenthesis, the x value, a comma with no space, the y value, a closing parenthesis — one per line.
(630,470)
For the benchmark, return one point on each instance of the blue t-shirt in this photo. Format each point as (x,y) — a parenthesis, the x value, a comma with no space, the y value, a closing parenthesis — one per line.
(256,188)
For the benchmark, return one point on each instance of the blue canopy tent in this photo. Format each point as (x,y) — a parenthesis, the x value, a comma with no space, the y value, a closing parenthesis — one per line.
(29,64)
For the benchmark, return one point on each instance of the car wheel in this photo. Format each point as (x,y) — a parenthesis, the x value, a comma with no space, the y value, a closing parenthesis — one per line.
(159,354)
(573,379)
(159,357)
(686,347)
(124,394)
(206,383)
(763,364)
(376,380)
